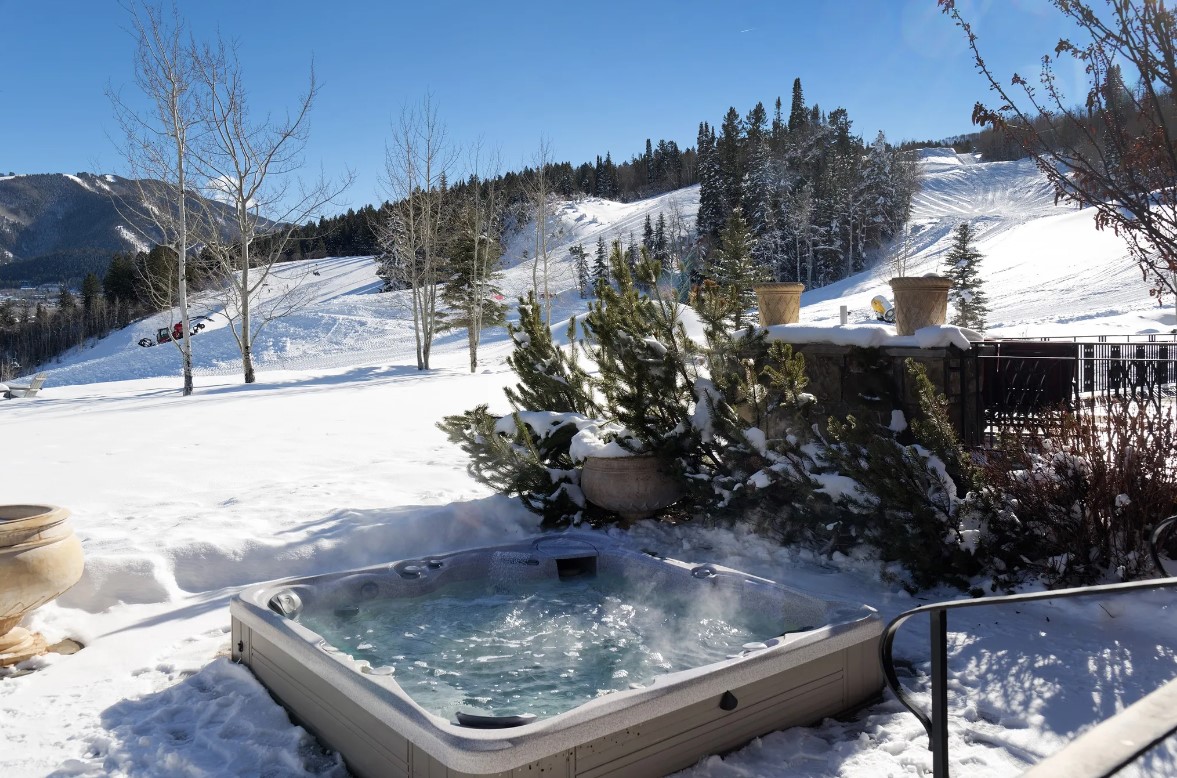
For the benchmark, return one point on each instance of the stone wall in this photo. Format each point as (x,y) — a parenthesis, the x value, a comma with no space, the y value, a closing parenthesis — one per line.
(871,383)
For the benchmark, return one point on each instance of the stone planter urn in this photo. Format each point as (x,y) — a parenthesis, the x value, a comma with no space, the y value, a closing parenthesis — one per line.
(920,301)
(40,557)
(633,487)
(779,303)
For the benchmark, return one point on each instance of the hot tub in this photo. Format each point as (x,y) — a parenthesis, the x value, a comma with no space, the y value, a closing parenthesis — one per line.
(555,655)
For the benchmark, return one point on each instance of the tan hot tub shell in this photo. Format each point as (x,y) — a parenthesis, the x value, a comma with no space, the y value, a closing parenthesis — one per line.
(798,679)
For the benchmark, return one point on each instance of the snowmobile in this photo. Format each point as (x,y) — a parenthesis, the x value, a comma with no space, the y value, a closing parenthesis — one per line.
(168,334)
(884,310)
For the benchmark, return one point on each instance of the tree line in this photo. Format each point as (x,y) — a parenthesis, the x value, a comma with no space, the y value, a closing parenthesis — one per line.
(663,167)
(817,203)
(135,285)
(32,332)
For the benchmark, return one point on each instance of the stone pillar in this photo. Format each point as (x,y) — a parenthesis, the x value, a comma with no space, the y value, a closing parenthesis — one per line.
(779,303)
(920,301)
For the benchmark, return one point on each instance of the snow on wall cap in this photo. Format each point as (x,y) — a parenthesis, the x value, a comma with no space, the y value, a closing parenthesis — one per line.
(873,335)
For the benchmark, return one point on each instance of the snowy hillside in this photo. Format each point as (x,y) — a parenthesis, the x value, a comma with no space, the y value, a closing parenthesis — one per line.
(332,460)
(1046,267)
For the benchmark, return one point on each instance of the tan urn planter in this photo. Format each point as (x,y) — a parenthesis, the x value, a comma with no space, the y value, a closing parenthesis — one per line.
(40,557)
(920,301)
(779,303)
(633,487)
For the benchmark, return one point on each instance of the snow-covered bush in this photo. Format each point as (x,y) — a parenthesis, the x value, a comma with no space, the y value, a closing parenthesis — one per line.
(911,498)
(655,391)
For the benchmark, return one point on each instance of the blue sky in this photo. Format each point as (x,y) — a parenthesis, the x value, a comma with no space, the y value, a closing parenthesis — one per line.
(591,78)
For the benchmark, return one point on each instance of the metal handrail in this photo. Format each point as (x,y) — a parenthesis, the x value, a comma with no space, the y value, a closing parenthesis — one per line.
(936,724)
(1160,535)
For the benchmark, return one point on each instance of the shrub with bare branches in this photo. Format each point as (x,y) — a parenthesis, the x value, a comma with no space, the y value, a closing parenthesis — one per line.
(1079,502)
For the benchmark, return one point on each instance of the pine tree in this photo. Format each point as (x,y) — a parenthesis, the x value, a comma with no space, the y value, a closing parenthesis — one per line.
(798,116)
(880,196)
(642,373)
(712,209)
(729,151)
(91,291)
(470,289)
(735,271)
(518,454)
(648,234)
(660,250)
(963,261)
(66,302)
(607,178)
(632,253)
(778,131)
(757,196)
(601,263)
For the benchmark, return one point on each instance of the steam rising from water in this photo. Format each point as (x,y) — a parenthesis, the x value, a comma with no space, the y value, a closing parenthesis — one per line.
(541,647)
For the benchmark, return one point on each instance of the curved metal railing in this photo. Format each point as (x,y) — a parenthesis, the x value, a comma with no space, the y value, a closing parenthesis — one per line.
(936,722)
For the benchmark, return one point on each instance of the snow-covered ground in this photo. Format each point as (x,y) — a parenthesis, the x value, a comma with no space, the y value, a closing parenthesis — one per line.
(331,460)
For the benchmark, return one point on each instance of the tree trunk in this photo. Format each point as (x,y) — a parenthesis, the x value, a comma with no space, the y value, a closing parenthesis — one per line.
(182,257)
(246,336)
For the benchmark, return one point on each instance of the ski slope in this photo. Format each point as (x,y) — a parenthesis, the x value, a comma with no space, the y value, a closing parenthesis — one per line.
(1046,269)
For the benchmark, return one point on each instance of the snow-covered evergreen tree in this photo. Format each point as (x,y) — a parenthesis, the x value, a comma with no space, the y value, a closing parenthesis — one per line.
(601,263)
(712,211)
(729,150)
(661,250)
(734,269)
(758,190)
(963,267)
(798,116)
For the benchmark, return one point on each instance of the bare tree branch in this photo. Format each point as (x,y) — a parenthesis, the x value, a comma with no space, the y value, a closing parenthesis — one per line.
(1116,152)
(252,167)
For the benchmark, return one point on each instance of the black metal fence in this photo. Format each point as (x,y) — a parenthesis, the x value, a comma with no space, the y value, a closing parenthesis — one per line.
(1018,384)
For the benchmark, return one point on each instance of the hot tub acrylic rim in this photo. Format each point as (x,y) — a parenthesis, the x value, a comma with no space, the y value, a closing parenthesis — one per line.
(474,750)
(833,606)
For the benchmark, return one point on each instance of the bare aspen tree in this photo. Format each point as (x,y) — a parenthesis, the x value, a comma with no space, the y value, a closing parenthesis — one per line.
(481,220)
(251,166)
(539,194)
(418,160)
(681,246)
(156,148)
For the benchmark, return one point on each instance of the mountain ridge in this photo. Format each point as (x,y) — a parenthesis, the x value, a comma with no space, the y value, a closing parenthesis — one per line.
(57,227)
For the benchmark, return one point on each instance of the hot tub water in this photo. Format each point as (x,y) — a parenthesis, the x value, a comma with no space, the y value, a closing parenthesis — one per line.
(503,647)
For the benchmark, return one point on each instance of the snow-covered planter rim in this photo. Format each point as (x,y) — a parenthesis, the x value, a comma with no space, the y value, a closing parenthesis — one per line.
(599,439)
(921,282)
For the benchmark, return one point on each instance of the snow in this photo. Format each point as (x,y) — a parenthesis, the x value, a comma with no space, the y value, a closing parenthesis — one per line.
(598,440)
(78,181)
(873,335)
(332,460)
(133,238)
